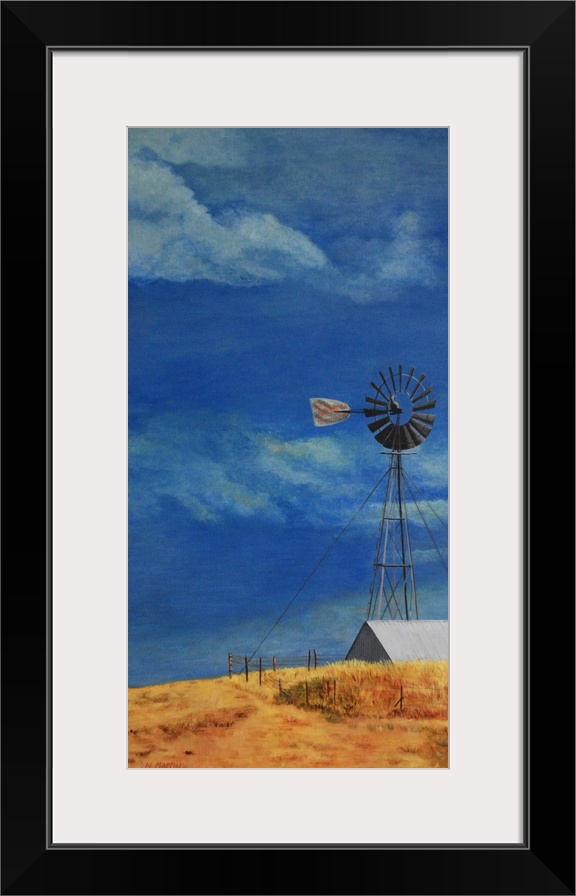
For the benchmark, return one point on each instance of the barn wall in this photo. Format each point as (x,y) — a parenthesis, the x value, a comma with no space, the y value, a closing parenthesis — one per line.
(367,647)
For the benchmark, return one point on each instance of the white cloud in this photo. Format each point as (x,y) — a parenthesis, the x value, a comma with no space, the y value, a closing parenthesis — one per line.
(219,147)
(410,256)
(380,269)
(301,461)
(272,176)
(430,555)
(173,236)
(320,481)
(199,510)
(312,478)
(434,512)
(428,471)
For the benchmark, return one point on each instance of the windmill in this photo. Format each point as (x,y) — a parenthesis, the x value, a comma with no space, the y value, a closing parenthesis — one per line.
(399,419)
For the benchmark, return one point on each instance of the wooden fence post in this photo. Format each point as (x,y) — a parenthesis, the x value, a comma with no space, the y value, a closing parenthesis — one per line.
(260,673)
(246,666)
(308,660)
(280,687)
(315,659)
(274,663)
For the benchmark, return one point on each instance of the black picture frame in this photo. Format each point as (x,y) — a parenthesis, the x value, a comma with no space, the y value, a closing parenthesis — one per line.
(544,863)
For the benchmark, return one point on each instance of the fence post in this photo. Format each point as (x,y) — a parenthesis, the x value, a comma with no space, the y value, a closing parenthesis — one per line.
(308,660)
(229,665)
(274,663)
(260,673)
(246,666)
(280,687)
(306,693)
(315,659)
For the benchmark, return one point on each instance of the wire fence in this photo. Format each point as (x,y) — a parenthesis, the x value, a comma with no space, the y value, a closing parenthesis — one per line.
(340,696)
(243,665)
(334,695)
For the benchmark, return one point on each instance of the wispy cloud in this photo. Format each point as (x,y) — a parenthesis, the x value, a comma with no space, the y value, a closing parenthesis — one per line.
(184,467)
(410,256)
(210,147)
(175,237)
(431,510)
(429,555)
(249,473)
(352,237)
(428,470)
(318,482)
(302,461)
(380,269)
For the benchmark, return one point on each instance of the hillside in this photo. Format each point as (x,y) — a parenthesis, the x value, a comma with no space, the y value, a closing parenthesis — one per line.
(348,715)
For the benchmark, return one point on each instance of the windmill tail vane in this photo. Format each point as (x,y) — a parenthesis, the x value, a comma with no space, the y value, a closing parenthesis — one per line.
(327,411)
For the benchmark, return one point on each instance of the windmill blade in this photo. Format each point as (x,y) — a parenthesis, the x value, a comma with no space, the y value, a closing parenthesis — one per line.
(399,377)
(392,378)
(378,424)
(374,412)
(423,394)
(425,418)
(383,404)
(386,436)
(327,411)
(409,376)
(425,406)
(406,438)
(418,431)
(378,389)
(403,437)
(415,389)
(421,428)
(392,438)
(384,383)
(397,438)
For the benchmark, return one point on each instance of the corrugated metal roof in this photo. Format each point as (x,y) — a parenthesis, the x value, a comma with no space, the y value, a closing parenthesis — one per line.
(416,639)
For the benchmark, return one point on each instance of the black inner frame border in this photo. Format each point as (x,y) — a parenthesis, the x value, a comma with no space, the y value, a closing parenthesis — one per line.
(544,31)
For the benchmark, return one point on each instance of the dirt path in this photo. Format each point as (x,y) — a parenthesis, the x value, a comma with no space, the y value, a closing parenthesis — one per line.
(222,723)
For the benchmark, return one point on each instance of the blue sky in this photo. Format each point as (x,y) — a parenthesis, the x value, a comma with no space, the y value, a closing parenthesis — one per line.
(266,267)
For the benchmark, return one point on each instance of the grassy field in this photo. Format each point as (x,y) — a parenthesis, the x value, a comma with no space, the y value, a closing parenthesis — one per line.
(347,715)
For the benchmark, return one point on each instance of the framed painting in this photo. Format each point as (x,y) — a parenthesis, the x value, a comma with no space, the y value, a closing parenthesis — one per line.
(260,520)
(237,248)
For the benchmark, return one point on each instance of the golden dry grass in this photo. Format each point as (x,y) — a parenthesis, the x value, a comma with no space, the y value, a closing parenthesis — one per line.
(356,688)
(233,723)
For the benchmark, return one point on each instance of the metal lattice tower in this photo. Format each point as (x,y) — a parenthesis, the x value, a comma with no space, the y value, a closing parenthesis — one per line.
(399,424)
(393,589)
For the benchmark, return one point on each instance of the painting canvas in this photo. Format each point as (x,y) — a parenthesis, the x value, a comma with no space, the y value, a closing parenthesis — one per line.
(288,448)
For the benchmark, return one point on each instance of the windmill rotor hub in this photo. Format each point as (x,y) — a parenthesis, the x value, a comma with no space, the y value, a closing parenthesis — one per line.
(398,409)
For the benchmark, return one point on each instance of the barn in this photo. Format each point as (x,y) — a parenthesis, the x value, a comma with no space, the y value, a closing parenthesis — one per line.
(383,641)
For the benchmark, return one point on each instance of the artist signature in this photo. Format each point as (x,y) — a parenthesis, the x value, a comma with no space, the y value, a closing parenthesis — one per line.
(163,765)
